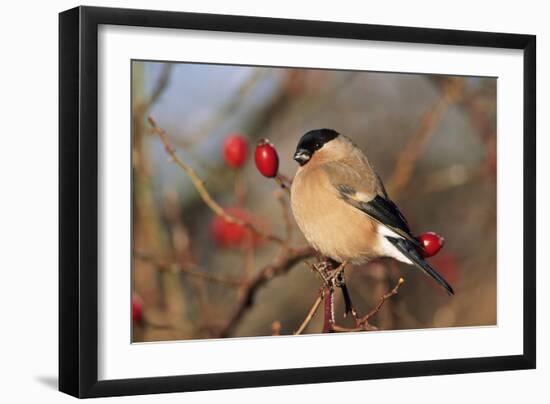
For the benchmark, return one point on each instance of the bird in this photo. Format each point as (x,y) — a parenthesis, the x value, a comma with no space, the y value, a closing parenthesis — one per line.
(343,210)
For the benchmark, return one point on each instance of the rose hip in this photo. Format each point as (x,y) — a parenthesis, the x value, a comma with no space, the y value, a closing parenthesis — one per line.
(267,159)
(235,150)
(431,242)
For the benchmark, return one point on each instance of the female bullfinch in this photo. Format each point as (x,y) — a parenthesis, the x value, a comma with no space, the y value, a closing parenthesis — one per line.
(342,208)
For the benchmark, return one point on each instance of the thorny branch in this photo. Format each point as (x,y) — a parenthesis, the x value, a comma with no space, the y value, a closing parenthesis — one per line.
(328,311)
(362,323)
(330,279)
(331,283)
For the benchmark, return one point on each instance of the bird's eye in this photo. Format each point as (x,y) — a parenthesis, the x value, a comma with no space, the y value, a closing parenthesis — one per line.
(317,145)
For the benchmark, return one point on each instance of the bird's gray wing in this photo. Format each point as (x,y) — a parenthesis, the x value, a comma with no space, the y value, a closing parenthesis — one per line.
(364,191)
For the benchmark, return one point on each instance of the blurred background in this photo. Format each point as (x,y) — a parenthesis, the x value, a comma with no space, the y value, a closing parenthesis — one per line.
(431,138)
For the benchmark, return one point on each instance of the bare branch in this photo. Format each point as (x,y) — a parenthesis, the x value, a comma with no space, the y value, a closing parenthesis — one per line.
(311,312)
(362,324)
(385,297)
(279,267)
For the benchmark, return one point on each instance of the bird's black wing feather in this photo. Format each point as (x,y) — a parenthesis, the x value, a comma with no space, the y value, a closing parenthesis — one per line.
(382,210)
(386,212)
(407,249)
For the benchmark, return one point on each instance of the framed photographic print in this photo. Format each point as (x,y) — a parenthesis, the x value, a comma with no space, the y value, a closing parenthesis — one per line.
(251,201)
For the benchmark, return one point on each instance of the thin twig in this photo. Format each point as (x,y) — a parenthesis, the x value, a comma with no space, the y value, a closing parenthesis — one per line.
(201,189)
(362,324)
(384,297)
(311,312)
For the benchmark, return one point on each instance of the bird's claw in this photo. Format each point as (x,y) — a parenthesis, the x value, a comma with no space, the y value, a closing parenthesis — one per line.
(322,269)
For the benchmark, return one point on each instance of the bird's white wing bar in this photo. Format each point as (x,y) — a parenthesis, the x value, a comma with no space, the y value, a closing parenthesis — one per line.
(386,231)
(388,249)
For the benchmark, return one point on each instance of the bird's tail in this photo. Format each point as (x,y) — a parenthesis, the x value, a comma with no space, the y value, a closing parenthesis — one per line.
(410,251)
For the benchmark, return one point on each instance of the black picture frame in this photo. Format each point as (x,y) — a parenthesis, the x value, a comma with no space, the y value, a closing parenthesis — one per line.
(78,200)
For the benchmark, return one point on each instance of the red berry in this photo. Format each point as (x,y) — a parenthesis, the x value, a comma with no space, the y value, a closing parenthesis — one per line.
(267,159)
(233,235)
(431,242)
(137,309)
(235,150)
(227,234)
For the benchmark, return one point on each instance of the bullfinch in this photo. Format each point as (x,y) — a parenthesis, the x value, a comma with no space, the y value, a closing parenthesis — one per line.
(342,208)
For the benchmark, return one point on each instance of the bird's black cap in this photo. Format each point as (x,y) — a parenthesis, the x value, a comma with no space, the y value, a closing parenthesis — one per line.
(311,142)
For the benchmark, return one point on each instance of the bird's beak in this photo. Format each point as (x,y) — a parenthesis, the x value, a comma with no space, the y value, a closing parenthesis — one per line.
(302,156)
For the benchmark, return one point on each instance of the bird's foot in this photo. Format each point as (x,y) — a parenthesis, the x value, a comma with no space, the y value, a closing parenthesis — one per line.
(336,272)
(323,269)
(330,272)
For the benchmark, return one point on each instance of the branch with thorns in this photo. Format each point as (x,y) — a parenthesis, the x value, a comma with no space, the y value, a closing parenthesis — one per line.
(361,323)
